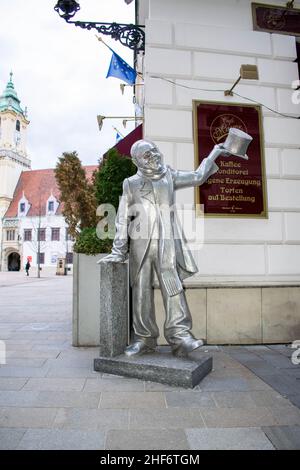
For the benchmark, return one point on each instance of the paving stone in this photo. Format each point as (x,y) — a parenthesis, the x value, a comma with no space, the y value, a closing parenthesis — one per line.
(10,438)
(113,385)
(189,399)
(15,417)
(237,417)
(9,371)
(156,387)
(12,383)
(284,437)
(295,399)
(277,360)
(233,399)
(34,354)
(170,418)
(269,399)
(295,373)
(132,400)
(58,439)
(95,419)
(149,439)
(70,362)
(55,384)
(66,372)
(284,349)
(232,384)
(72,399)
(24,362)
(18,398)
(282,383)
(286,415)
(228,439)
(261,368)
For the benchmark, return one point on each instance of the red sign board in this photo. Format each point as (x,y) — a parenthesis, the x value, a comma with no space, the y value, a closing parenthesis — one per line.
(276,19)
(238,188)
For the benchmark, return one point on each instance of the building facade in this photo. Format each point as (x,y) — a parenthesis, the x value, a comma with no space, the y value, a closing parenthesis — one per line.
(13,159)
(247,287)
(32,226)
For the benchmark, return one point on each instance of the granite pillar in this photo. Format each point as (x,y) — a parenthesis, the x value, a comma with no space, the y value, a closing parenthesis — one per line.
(114,311)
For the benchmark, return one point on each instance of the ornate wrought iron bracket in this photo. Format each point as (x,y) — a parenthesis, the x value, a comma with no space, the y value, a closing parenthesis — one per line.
(129,35)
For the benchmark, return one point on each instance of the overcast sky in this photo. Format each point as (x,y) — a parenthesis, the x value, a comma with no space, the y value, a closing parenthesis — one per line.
(59,74)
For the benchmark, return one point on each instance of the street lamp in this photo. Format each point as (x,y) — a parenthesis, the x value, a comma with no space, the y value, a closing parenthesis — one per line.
(129,35)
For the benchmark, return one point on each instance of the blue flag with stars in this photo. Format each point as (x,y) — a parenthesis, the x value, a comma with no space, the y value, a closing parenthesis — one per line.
(120,69)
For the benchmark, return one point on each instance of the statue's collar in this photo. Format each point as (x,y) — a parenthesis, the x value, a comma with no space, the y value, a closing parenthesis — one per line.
(153,176)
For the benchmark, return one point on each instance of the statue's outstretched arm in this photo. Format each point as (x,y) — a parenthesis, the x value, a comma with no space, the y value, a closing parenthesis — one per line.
(184,179)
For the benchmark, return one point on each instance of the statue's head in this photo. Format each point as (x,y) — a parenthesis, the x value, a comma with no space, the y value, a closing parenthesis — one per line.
(147,157)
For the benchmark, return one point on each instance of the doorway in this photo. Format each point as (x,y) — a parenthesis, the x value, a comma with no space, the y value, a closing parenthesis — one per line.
(13,262)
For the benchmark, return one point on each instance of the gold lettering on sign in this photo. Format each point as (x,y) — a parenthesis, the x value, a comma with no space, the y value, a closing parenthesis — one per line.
(221,124)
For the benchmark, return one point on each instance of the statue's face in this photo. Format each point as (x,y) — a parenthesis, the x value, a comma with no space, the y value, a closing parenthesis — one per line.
(150,158)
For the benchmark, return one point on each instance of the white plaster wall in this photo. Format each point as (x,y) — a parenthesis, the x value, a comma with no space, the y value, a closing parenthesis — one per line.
(202,45)
(50,248)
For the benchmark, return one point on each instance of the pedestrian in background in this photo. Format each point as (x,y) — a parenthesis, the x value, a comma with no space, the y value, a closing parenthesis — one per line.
(27,267)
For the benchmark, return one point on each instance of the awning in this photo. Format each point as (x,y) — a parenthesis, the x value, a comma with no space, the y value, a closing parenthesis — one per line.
(124,145)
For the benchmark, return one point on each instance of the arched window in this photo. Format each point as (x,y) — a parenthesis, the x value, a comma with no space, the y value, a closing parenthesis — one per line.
(18,126)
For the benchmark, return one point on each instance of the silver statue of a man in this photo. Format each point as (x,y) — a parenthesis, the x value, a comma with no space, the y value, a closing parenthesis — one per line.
(146,195)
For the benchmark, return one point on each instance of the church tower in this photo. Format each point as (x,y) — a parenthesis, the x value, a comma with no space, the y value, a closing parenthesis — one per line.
(13,154)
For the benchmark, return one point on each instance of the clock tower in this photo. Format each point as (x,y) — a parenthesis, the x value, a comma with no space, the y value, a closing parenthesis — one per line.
(13,154)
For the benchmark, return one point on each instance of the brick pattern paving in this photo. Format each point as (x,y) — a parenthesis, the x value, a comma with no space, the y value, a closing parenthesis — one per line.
(50,397)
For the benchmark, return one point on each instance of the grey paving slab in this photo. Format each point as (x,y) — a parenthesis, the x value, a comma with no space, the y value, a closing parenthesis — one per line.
(277,360)
(295,399)
(11,371)
(232,384)
(269,398)
(12,383)
(58,439)
(284,349)
(156,387)
(65,372)
(114,385)
(95,419)
(70,362)
(189,399)
(55,384)
(233,399)
(149,439)
(132,400)
(284,437)
(10,438)
(34,354)
(228,439)
(24,362)
(286,415)
(15,417)
(237,417)
(71,399)
(18,398)
(170,418)
(282,383)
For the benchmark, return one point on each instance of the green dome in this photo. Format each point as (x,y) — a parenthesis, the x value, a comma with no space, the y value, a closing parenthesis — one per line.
(9,99)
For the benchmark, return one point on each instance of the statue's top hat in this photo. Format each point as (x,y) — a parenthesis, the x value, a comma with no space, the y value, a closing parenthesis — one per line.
(237,142)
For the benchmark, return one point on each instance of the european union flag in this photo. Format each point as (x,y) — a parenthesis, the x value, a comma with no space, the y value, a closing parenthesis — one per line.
(120,69)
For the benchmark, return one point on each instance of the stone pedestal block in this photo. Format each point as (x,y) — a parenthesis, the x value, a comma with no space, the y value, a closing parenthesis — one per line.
(114,290)
(160,367)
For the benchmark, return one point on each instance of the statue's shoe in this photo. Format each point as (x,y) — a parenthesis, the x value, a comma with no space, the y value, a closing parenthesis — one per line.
(138,348)
(186,346)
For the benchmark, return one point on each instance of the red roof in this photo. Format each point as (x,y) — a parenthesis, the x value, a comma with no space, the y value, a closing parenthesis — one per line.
(37,186)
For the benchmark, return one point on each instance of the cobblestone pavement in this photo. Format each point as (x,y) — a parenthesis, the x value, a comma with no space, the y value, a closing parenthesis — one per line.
(50,397)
